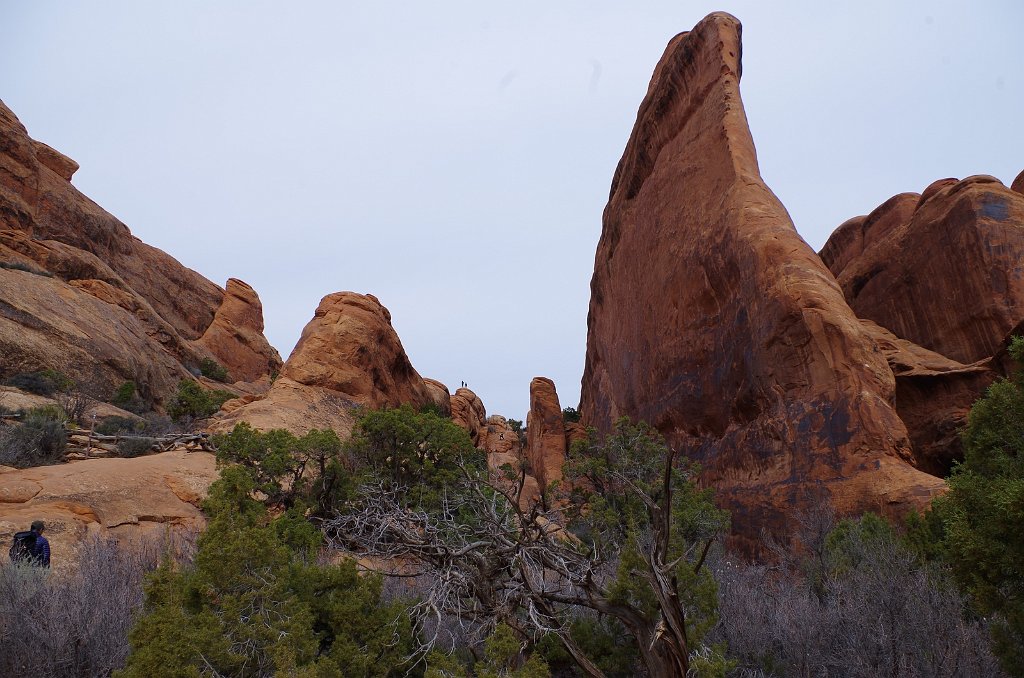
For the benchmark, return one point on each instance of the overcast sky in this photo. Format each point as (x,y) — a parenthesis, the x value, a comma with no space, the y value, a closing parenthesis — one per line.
(453,158)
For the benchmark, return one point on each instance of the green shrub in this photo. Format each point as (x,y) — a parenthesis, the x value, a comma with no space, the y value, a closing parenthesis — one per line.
(211,369)
(982,514)
(115,425)
(44,382)
(417,452)
(39,439)
(502,658)
(110,426)
(287,469)
(603,639)
(570,414)
(127,398)
(634,549)
(253,603)
(193,401)
(135,447)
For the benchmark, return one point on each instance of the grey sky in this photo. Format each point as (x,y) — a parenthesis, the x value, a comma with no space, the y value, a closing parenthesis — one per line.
(453,158)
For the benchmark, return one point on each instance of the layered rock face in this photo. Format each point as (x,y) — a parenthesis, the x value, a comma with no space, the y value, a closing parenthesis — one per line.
(127,499)
(349,355)
(714,321)
(80,294)
(504,450)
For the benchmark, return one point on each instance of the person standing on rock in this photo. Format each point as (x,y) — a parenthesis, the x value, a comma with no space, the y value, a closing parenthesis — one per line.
(41,551)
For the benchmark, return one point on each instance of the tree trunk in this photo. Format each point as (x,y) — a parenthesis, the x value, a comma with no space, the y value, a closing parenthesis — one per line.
(660,655)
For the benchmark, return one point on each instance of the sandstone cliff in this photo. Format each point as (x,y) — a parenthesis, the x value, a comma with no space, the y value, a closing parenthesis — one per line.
(80,294)
(713,320)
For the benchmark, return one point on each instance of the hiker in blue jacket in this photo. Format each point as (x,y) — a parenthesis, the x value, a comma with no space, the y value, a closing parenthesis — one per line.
(41,551)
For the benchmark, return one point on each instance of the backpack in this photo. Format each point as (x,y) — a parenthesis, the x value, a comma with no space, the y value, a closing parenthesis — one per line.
(23,548)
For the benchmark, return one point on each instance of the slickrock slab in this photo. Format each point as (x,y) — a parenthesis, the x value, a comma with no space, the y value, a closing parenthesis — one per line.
(121,498)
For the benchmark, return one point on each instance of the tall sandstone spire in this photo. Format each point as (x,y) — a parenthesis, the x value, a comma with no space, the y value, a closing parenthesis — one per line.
(711,319)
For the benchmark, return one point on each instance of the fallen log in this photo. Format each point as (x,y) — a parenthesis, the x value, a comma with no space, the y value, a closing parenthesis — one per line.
(83,443)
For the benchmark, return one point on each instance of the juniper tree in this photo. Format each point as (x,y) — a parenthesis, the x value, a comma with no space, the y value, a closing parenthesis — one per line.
(628,542)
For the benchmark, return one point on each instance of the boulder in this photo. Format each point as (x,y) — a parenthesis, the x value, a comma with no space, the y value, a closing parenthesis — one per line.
(545,432)
(944,271)
(746,354)
(348,356)
(122,498)
(501,444)
(497,437)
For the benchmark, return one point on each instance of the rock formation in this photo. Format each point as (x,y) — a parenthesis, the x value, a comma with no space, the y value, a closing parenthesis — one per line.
(939,279)
(122,498)
(80,294)
(236,338)
(469,413)
(500,442)
(933,396)
(439,395)
(349,355)
(1018,184)
(545,432)
(944,269)
(504,449)
(745,353)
